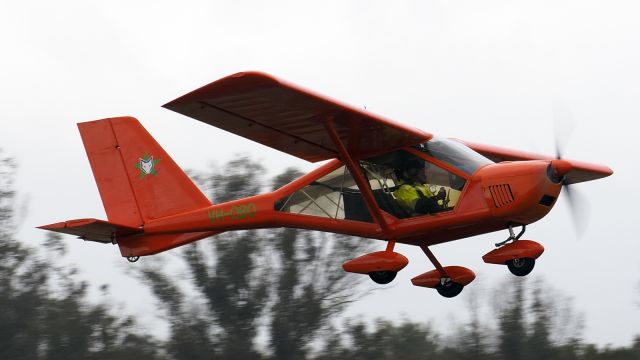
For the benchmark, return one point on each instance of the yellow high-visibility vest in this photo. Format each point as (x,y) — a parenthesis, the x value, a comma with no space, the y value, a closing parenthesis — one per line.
(407,195)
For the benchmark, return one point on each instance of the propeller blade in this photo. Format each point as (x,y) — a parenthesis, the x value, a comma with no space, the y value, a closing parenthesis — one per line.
(563,126)
(580,209)
(578,204)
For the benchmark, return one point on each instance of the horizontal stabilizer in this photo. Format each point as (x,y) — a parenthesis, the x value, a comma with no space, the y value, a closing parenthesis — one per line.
(93,229)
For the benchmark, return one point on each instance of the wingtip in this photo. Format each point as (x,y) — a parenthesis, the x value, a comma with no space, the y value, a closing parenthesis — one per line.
(67,224)
(54,226)
(257,75)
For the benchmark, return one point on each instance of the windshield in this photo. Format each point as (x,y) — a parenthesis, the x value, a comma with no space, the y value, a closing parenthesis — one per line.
(455,154)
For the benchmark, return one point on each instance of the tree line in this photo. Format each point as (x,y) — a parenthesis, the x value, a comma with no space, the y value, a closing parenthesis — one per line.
(259,294)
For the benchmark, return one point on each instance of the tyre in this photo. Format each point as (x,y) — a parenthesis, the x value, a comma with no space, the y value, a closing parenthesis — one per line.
(449,289)
(382,277)
(522,266)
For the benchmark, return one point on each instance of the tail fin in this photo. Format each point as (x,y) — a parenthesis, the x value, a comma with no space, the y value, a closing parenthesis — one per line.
(137,179)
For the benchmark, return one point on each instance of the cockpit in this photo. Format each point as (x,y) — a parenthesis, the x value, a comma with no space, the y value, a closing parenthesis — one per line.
(422,180)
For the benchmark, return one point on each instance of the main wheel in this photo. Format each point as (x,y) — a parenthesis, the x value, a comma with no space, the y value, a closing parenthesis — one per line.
(449,289)
(383,277)
(522,266)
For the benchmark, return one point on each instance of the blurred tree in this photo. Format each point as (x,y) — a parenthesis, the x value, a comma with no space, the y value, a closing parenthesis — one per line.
(45,314)
(386,341)
(511,322)
(225,276)
(538,343)
(289,282)
(632,352)
(471,341)
(310,287)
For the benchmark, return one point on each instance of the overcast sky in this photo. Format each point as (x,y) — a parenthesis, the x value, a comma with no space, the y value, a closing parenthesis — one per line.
(486,71)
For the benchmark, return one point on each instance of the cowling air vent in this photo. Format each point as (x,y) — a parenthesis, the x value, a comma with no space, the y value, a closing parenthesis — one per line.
(501,195)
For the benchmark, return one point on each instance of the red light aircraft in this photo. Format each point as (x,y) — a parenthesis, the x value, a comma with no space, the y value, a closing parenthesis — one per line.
(365,189)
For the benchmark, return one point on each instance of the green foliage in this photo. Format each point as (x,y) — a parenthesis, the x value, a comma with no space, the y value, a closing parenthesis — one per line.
(385,341)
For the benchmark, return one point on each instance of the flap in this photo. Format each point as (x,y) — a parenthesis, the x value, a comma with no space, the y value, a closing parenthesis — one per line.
(289,118)
(92,229)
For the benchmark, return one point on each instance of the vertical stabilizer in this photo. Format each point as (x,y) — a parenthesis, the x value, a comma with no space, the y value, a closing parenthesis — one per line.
(137,179)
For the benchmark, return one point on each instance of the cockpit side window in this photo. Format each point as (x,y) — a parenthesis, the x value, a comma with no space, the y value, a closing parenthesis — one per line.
(406,185)
(334,196)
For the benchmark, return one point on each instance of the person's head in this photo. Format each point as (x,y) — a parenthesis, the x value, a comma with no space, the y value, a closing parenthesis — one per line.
(413,170)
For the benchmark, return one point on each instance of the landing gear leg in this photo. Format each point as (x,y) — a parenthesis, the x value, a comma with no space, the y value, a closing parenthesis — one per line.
(520,266)
(512,235)
(447,287)
(519,256)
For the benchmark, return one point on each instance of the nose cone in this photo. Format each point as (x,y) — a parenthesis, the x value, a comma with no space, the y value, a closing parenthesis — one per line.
(561,167)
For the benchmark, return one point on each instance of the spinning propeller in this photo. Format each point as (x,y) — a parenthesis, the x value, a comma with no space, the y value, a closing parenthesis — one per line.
(578,203)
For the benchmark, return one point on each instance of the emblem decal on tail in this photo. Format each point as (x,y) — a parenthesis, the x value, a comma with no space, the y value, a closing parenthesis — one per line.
(147,166)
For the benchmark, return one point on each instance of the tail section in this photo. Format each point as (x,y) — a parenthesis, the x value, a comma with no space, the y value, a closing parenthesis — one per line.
(137,179)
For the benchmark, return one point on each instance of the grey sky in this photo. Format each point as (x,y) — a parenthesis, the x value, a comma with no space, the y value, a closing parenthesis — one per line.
(486,71)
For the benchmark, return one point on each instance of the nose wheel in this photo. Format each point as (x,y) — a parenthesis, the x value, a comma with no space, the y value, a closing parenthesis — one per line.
(519,255)
(521,266)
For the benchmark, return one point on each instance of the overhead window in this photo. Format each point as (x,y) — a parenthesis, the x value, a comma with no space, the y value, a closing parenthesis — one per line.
(455,154)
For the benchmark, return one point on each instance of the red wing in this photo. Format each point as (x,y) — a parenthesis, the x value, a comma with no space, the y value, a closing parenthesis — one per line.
(289,118)
(581,171)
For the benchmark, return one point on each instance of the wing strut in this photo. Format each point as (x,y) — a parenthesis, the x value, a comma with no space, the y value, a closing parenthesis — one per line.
(367,194)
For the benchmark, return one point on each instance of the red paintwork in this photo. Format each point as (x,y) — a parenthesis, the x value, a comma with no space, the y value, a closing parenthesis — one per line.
(581,171)
(376,261)
(359,178)
(515,250)
(114,146)
(148,243)
(161,209)
(94,229)
(289,118)
(475,213)
(562,167)
(457,274)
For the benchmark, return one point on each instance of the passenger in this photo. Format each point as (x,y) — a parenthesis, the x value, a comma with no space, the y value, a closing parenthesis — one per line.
(414,194)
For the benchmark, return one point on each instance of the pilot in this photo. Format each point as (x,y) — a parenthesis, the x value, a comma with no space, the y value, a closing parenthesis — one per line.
(414,194)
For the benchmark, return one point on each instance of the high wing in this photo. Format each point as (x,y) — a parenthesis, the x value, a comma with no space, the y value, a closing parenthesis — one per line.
(291,119)
(581,171)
